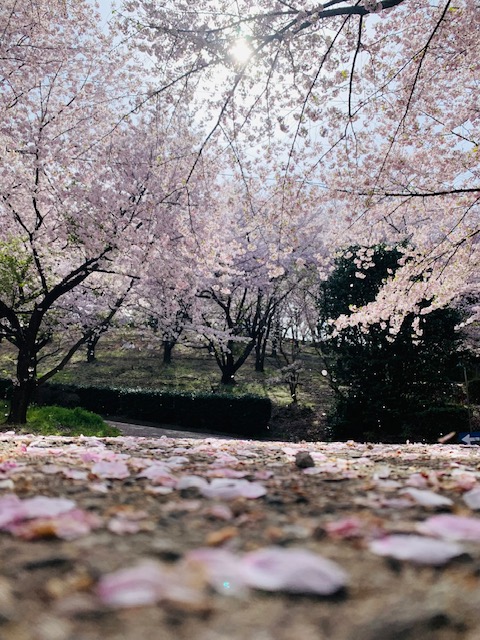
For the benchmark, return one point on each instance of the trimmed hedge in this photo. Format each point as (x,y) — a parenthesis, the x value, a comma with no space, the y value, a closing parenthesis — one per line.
(246,415)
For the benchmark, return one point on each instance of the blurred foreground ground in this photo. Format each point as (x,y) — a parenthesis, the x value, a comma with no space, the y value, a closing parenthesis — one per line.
(131,538)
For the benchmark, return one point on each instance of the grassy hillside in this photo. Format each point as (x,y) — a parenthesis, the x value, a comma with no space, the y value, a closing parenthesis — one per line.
(125,359)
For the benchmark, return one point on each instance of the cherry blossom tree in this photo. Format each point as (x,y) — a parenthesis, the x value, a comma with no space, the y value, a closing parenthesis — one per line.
(163,303)
(373,102)
(78,209)
(253,260)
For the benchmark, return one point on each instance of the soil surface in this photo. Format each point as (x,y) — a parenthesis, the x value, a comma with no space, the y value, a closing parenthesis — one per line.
(177,538)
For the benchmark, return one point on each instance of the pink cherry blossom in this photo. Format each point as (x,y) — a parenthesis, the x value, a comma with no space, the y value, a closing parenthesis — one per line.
(13,510)
(350,527)
(192,482)
(66,526)
(224,472)
(222,570)
(158,474)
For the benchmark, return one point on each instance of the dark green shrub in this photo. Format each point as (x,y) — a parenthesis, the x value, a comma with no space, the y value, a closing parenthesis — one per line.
(430,424)
(382,380)
(355,420)
(6,387)
(474,391)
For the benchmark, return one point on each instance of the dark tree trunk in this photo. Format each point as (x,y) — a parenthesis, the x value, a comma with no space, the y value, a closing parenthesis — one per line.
(24,388)
(276,339)
(22,396)
(228,377)
(261,350)
(228,369)
(260,356)
(167,351)
(91,348)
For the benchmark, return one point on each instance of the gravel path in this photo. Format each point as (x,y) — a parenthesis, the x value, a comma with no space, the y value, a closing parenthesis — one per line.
(169,431)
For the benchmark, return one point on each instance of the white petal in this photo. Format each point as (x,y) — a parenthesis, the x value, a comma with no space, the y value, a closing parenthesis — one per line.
(416,549)
(229,489)
(292,571)
(141,585)
(451,527)
(472,498)
(191,482)
(427,498)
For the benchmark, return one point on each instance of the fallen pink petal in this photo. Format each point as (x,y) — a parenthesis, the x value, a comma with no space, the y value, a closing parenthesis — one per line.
(452,527)
(111,470)
(472,498)
(222,569)
(345,528)
(416,549)
(229,489)
(145,584)
(293,571)
(66,526)
(427,498)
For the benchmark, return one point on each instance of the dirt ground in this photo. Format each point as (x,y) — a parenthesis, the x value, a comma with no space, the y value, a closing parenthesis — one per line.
(138,538)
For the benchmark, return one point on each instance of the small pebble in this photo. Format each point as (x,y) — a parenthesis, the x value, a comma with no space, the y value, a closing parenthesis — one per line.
(303,460)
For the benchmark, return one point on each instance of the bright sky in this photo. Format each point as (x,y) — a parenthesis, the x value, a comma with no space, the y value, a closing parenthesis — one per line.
(106,7)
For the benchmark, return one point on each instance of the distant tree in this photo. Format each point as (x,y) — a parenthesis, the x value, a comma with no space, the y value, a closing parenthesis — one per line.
(255,256)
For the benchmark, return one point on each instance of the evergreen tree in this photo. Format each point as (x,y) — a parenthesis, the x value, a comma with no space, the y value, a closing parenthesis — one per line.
(388,385)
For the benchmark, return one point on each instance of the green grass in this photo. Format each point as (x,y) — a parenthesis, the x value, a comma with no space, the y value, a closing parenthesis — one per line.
(58,421)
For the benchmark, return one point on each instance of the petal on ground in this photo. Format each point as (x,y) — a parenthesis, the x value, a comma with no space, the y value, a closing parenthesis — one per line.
(158,474)
(292,571)
(229,489)
(141,585)
(472,498)
(417,549)
(192,482)
(65,526)
(44,507)
(11,510)
(451,527)
(115,470)
(427,498)
(220,568)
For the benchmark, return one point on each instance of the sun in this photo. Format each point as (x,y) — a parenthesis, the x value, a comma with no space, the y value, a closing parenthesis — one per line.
(241,50)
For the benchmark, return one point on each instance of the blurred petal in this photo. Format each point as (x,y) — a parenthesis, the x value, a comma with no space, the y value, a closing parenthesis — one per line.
(292,571)
(472,498)
(427,498)
(221,569)
(229,489)
(416,549)
(192,482)
(112,470)
(137,586)
(451,527)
